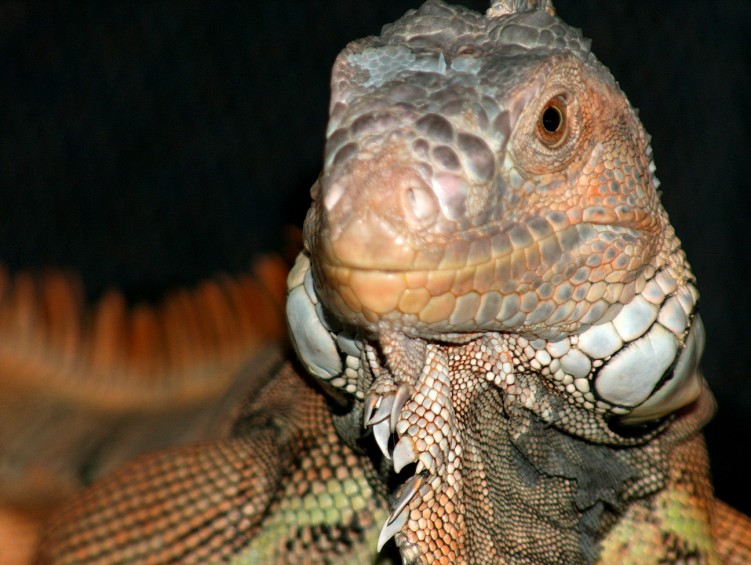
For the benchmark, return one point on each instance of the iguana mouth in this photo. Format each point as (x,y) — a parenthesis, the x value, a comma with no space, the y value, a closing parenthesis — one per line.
(502,288)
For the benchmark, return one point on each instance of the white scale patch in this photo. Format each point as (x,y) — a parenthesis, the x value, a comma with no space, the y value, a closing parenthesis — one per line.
(600,341)
(558,348)
(638,346)
(653,293)
(666,281)
(349,345)
(314,344)
(634,318)
(672,315)
(683,388)
(630,376)
(576,364)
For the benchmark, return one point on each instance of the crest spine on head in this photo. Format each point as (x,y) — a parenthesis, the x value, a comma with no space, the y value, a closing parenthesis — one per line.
(505,7)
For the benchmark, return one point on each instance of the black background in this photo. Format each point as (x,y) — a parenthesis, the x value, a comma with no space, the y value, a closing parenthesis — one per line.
(148,145)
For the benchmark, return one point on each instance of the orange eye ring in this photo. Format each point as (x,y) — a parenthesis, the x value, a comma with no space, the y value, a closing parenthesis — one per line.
(552,125)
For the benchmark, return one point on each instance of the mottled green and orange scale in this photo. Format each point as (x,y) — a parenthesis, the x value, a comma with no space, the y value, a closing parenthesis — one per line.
(281,489)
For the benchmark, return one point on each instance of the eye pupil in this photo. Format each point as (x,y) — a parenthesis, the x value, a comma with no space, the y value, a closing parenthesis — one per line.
(552,123)
(552,119)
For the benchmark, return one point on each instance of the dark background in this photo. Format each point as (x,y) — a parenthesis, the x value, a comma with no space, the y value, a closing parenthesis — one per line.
(149,145)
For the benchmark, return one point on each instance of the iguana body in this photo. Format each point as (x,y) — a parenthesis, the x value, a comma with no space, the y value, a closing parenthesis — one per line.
(488,275)
(108,382)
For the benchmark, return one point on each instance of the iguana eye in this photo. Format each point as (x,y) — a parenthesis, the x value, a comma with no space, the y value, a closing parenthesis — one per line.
(552,125)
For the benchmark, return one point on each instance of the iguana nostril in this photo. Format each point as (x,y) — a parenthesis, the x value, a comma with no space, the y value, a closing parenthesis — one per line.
(419,203)
(333,195)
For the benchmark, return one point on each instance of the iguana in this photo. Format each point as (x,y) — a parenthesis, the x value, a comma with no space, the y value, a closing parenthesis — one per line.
(499,321)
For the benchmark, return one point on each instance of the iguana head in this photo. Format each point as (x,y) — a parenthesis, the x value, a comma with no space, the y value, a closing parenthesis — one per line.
(481,173)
